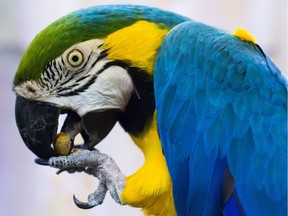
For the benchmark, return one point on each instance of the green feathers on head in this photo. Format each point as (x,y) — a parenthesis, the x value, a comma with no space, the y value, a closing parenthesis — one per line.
(47,45)
(82,25)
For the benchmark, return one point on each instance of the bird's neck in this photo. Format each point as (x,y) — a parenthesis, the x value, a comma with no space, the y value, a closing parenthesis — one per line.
(136,44)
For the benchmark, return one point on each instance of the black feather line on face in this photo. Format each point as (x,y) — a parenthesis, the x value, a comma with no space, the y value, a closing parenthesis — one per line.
(62,61)
(82,78)
(102,55)
(66,91)
(85,64)
(46,72)
(52,69)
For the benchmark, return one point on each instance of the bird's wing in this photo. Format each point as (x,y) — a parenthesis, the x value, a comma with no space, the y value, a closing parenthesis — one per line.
(221,110)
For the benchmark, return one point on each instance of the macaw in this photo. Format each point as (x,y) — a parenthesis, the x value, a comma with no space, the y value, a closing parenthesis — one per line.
(206,107)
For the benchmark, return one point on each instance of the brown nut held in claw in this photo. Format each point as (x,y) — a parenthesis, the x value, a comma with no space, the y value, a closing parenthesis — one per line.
(62,144)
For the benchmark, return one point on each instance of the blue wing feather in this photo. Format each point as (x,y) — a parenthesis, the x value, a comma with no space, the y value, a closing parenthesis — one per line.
(221,104)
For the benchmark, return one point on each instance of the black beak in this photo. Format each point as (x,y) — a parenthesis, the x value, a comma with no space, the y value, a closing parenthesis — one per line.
(37,123)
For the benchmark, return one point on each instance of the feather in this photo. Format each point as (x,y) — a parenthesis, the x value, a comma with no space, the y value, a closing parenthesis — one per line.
(227,110)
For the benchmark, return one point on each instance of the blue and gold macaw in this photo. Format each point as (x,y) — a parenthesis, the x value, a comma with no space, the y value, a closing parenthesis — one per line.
(207,108)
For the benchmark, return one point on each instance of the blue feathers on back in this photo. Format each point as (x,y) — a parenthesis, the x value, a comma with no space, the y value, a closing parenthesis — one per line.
(221,108)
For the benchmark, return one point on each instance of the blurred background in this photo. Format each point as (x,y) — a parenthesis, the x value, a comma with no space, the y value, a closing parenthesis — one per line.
(30,189)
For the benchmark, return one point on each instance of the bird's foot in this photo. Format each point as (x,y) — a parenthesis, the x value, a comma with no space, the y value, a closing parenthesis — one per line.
(99,165)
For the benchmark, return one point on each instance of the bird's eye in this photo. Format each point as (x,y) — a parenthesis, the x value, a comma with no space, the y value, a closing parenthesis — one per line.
(75,58)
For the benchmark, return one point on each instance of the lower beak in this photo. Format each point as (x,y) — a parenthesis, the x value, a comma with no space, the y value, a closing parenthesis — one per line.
(37,123)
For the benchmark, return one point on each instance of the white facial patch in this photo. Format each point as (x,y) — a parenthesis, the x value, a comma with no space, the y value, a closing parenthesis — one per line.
(112,89)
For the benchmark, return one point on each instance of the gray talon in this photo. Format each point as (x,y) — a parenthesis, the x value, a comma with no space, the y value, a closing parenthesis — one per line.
(82,205)
(94,199)
(41,161)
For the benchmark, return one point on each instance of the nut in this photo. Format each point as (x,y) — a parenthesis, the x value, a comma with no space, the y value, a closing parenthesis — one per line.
(62,144)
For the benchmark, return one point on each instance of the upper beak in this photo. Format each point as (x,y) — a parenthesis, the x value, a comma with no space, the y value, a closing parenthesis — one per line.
(37,123)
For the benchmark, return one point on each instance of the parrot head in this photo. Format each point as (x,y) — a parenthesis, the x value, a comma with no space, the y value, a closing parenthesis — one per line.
(95,65)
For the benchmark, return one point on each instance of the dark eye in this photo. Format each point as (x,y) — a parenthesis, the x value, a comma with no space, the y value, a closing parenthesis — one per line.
(75,58)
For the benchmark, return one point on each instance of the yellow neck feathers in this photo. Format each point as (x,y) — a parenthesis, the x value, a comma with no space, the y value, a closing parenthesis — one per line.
(136,44)
(150,188)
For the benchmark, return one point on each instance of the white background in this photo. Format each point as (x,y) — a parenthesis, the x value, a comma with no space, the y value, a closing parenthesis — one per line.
(29,189)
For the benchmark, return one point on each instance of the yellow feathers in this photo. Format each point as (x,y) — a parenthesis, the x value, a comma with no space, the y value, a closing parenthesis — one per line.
(136,44)
(150,187)
(243,34)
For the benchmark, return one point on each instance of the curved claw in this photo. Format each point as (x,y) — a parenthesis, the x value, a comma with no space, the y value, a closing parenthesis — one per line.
(60,171)
(41,161)
(82,205)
